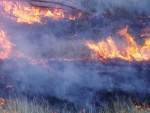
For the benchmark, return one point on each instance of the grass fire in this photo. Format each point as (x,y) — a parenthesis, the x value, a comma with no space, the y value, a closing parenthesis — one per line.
(74,56)
(129,50)
(26,13)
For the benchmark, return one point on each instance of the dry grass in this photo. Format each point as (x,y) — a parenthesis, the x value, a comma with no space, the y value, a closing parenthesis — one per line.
(119,106)
(22,105)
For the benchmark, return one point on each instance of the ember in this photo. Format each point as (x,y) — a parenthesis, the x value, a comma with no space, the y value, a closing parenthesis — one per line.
(142,108)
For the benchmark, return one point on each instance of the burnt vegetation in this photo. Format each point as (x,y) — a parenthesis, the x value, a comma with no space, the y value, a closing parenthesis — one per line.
(58,70)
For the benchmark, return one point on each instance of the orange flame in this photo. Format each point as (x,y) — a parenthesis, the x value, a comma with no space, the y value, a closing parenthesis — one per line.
(131,51)
(6,50)
(5,46)
(25,13)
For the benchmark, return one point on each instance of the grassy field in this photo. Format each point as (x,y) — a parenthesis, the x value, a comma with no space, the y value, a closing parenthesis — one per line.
(22,105)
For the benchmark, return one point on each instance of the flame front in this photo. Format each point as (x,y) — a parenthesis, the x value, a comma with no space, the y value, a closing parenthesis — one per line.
(129,49)
(25,13)
(5,46)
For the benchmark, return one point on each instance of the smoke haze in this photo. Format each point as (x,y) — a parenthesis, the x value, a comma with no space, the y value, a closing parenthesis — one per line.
(81,80)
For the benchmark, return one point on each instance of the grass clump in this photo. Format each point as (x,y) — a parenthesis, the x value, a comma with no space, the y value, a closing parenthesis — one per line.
(23,105)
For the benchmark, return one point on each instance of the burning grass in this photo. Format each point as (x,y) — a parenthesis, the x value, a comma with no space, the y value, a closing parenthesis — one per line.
(23,105)
(5,45)
(62,67)
(131,50)
(23,12)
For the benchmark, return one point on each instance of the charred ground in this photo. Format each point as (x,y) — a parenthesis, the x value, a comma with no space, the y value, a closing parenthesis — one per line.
(73,76)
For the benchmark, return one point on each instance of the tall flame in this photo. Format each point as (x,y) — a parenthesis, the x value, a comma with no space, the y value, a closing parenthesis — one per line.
(5,46)
(129,50)
(25,13)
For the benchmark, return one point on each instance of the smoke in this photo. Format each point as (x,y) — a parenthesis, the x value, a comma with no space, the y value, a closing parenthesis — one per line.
(79,81)
(82,83)
(129,5)
(98,6)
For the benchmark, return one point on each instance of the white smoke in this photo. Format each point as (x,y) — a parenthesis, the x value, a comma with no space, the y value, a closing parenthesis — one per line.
(79,82)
